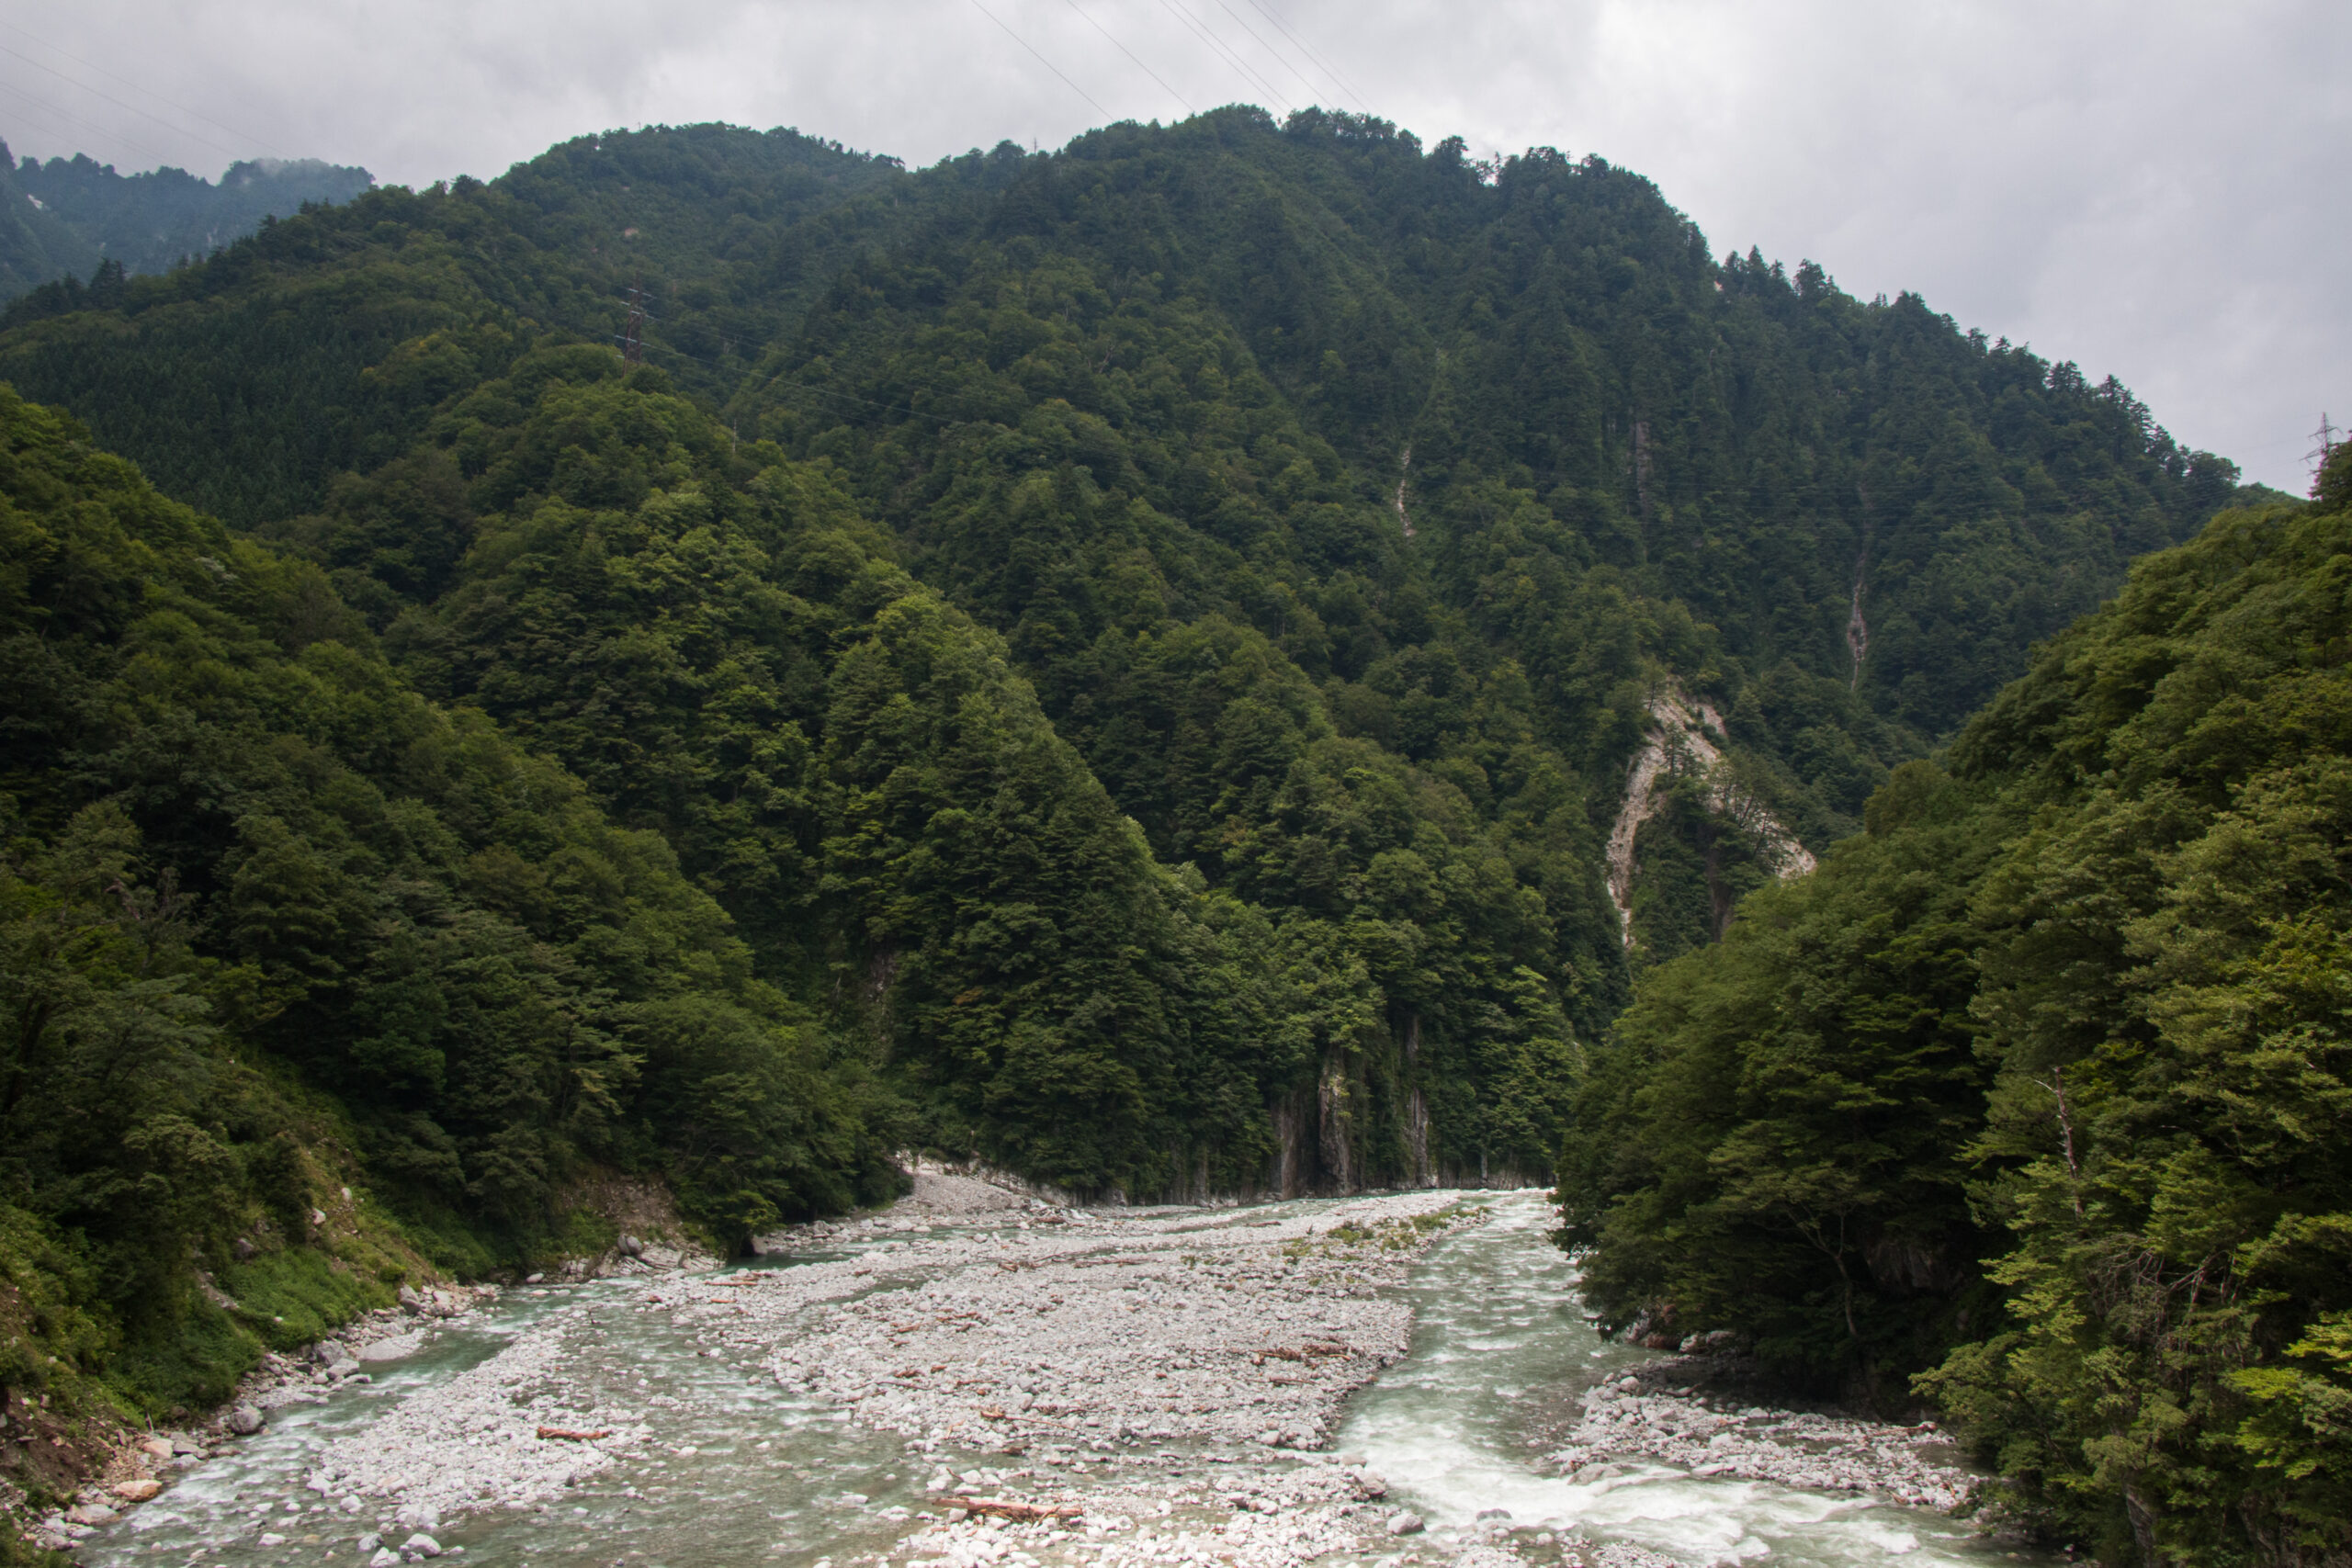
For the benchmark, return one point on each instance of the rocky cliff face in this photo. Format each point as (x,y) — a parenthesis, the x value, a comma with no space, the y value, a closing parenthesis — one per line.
(1685,745)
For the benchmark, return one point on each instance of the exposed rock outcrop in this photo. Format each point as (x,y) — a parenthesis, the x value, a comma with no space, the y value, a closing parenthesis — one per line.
(1684,741)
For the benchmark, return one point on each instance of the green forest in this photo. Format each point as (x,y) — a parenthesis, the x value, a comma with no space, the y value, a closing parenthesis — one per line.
(2033,1095)
(70,216)
(1242,656)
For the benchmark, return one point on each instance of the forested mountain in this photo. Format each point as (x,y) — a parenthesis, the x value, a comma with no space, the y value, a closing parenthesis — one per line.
(1484,457)
(1213,660)
(2038,1088)
(273,924)
(151,221)
(1354,511)
(280,928)
(158,218)
(36,244)
(322,345)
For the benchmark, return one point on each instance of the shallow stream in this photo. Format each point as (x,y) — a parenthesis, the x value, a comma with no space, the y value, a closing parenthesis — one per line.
(1501,1355)
(739,1470)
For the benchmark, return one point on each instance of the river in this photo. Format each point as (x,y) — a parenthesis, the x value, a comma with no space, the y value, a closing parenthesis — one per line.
(1501,1356)
(739,1464)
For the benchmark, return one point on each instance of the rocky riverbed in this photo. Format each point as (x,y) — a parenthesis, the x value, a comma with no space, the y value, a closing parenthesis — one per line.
(1041,1365)
(1024,1384)
(1663,1412)
(143,1468)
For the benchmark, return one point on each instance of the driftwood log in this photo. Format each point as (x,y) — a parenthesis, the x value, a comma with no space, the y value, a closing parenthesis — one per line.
(1019,1512)
(567,1435)
(1306,1352)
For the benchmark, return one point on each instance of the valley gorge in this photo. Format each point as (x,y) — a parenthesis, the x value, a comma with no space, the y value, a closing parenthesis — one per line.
(1241,843)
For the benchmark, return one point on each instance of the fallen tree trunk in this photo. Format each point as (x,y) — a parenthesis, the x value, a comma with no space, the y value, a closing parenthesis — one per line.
(1019,1512)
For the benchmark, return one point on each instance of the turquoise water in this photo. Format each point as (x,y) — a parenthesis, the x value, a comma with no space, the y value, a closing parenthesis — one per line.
(739,1470)
(1501,1355)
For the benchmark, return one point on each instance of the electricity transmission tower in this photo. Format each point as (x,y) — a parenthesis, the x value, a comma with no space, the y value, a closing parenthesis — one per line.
(633,333)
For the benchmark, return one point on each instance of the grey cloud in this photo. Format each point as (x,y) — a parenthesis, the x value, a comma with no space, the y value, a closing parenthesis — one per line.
(2152,190)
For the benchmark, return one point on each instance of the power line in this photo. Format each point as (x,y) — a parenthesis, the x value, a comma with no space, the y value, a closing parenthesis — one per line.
(88,128)
(90,65)
(1321,63)
(1048,64)
(1233,57)
(1123,48)
(1201,31)
(1270,48)
(167,125)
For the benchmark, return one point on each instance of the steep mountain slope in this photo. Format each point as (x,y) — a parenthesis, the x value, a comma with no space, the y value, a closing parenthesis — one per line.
(309,980)
(322,345)
(36,245)
(1354,511)
(1218,658)
(1488,456)
(155,221)
(1737,442)
(2043,1079)
(665,645)
(312,979)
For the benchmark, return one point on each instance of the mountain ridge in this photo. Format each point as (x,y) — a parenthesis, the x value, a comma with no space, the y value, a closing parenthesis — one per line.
(86,214)
(1140,407)
(1124,662)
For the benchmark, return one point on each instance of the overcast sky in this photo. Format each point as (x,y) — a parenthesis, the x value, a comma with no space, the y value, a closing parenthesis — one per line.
(2160,190)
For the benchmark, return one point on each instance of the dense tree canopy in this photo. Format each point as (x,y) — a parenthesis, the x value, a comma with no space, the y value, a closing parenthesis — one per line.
(1129,663)
(278,927)
(2038,1088)
(164,218)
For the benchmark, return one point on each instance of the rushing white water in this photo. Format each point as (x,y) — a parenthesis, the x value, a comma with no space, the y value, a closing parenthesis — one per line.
(1501,1354)
(739,1470)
